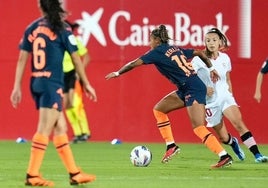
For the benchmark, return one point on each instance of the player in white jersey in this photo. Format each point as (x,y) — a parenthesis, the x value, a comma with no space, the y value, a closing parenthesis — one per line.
(220,100)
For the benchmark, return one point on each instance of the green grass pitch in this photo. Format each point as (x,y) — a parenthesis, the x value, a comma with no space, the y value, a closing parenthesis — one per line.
(111,164)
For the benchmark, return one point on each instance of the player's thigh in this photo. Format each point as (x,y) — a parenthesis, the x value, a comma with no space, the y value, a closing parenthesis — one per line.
(233,114)
(169,103)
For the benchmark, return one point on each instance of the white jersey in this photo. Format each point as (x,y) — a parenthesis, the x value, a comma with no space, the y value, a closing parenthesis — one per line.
(222,98)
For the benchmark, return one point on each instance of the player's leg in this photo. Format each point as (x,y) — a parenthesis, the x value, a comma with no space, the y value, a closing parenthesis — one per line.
(214,118)
(74,122)
(69,90)
(80,111)
(47,119)
(233,114)
(197,116)
(61,143)
(228,139)
(195,102)
(161,109)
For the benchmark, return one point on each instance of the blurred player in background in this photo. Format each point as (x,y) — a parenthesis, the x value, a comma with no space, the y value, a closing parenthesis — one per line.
(46,39)
(220,99)
(259,80)
(73,93)
(171,61)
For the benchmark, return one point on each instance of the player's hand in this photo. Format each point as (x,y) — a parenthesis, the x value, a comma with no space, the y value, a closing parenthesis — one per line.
(214,76)
(257,97)
(90,92)
(15,97)
(210,91)
(111,75)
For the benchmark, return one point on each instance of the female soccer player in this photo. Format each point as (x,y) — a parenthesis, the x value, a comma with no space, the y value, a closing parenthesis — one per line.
(220,100)
(171,62)
(259,79)
(46,39)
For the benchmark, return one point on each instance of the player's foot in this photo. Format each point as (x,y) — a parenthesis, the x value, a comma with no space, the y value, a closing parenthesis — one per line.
(75,139)
(261,159)
(84,137)
(225,160)
(170,153)
(80,178)
(37,181)
(237,149)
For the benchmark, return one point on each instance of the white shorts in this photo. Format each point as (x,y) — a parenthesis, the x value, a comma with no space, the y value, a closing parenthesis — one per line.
(214,113)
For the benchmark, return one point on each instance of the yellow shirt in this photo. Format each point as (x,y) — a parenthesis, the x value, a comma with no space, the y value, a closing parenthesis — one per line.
(67,60)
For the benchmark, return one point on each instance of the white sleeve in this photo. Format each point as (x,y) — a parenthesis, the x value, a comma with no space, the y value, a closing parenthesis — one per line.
(196,63)
(229,65)
(202,71)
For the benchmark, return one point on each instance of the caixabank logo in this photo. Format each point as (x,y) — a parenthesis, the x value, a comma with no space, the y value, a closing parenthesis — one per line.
(181,29)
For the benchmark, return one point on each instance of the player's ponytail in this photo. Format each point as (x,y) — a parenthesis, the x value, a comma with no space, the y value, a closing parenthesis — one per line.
(54,13)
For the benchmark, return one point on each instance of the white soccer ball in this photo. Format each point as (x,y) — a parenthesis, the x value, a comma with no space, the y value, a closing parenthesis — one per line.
(140,156)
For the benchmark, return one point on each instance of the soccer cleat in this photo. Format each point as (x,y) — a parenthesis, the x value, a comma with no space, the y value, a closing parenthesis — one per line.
(84,137)
(170,153)
(224,161)
(75,139)
(261,159)
(237,149)
(80,178)
(37,181)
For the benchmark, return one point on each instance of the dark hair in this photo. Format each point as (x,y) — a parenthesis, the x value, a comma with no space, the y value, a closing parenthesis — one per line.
(222,37)
(73,25)
(162,33)
(54,13)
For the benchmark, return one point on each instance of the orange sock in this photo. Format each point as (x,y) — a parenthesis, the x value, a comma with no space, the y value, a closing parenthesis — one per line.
(208,139)
(38,149)
(62,145)
(164,126)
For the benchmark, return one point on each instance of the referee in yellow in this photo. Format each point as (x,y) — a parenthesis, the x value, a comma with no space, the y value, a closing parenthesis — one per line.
(73,93)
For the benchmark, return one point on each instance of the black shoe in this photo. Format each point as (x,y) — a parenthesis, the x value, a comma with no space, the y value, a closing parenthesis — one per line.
(84,137)
(76,139)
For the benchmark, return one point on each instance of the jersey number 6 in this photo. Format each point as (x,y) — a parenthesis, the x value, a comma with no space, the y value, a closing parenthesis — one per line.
(38,53)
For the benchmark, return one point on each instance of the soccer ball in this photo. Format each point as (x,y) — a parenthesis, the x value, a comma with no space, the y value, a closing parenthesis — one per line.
(140,156)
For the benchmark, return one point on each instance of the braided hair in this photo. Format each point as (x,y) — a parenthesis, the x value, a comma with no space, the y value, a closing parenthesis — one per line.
(162,33)
(54,13)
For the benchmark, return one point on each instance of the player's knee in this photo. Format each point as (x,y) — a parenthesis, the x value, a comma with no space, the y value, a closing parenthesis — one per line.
(160,116)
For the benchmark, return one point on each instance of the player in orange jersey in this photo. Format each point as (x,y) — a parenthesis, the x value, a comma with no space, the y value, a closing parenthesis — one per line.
(46,39)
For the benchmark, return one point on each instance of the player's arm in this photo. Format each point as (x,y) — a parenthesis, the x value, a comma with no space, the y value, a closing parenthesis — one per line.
(259,80)
(83,52)
(21,64)
(85,59)
(213,73)
(127,67)
(229,82)
(79,67)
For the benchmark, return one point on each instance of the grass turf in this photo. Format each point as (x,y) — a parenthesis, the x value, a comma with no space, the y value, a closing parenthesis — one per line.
(111,164)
